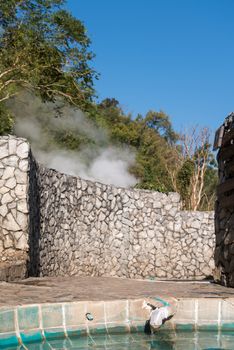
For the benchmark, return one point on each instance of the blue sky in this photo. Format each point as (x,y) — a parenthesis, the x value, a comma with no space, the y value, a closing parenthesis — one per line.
(170,55)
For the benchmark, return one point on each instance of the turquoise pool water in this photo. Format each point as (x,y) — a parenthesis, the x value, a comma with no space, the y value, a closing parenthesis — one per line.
(160,341)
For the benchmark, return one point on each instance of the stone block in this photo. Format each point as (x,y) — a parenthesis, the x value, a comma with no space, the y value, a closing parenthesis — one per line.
(22,150)
(4,151)
(10,224)
(8,173)
(22,243)
(22,206)
(12,144)
(6,198)
(21,176)
(3,210)
(21,190)
(23,165)
(196,224)
(7,242)
(11,161)
(10,183)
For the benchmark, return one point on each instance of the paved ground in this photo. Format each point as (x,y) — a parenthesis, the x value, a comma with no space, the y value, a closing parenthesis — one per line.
(61,289)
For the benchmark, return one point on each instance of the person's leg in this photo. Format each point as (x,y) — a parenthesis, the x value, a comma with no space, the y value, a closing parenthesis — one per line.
(147,328)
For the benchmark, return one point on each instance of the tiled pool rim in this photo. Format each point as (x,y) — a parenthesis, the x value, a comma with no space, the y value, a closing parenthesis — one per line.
(29,323)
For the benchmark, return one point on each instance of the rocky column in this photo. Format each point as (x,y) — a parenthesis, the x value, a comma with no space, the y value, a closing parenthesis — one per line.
(14,163)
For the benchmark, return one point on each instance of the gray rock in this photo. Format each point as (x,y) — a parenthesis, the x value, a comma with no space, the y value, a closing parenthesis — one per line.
(21,176)
(12,144)
(98,203)
(11,161)
(3,210)
(22,243)
(8,242)
(20,190)
(8,173)
(6,198)
(4,190)
(10,224)
(22,220)
(23,165)
(10,183)
(22,150)
(22,206)
(4,152)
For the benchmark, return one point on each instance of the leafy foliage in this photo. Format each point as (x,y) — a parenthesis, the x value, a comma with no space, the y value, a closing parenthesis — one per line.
(45,49)
(184,178)
(151,136)
(162,163)
(6,121)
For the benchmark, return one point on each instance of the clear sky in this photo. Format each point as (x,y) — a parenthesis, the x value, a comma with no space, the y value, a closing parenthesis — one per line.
(170,55)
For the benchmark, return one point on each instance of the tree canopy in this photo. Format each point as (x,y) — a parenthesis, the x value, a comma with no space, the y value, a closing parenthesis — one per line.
(165,160)
(45,49)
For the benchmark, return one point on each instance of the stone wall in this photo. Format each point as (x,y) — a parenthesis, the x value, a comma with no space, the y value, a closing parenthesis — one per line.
(64,225)
(93,229)
(14,156)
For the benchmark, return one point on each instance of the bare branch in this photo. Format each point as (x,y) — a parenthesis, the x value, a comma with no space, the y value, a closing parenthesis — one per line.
(194,145)
(7,97)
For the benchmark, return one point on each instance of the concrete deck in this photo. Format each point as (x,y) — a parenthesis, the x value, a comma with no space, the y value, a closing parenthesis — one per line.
(67,289)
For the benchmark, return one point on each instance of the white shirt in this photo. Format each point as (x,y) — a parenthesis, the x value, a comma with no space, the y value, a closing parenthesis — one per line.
(158,315)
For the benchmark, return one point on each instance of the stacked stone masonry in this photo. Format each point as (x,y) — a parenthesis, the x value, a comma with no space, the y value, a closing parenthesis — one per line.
(78,227)
(14,156)
(93,229)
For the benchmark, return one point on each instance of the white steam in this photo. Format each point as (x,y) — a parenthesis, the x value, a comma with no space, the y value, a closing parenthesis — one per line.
(109,166)
(100,162)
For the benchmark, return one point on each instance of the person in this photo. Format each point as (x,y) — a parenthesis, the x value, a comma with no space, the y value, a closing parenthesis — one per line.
(158,315)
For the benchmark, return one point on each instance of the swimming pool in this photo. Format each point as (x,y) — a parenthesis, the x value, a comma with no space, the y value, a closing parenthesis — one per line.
(182,340)
(204,323)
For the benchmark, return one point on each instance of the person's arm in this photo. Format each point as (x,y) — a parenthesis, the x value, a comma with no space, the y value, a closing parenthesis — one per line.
(165,303)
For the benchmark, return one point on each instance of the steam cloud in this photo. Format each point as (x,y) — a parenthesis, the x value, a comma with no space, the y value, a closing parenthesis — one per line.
(99,161)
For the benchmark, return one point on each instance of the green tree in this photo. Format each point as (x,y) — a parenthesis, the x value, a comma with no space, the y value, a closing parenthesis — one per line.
(184,178)
(152,137)
(6,121)
(165,161)
(161,123)
(45,49)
